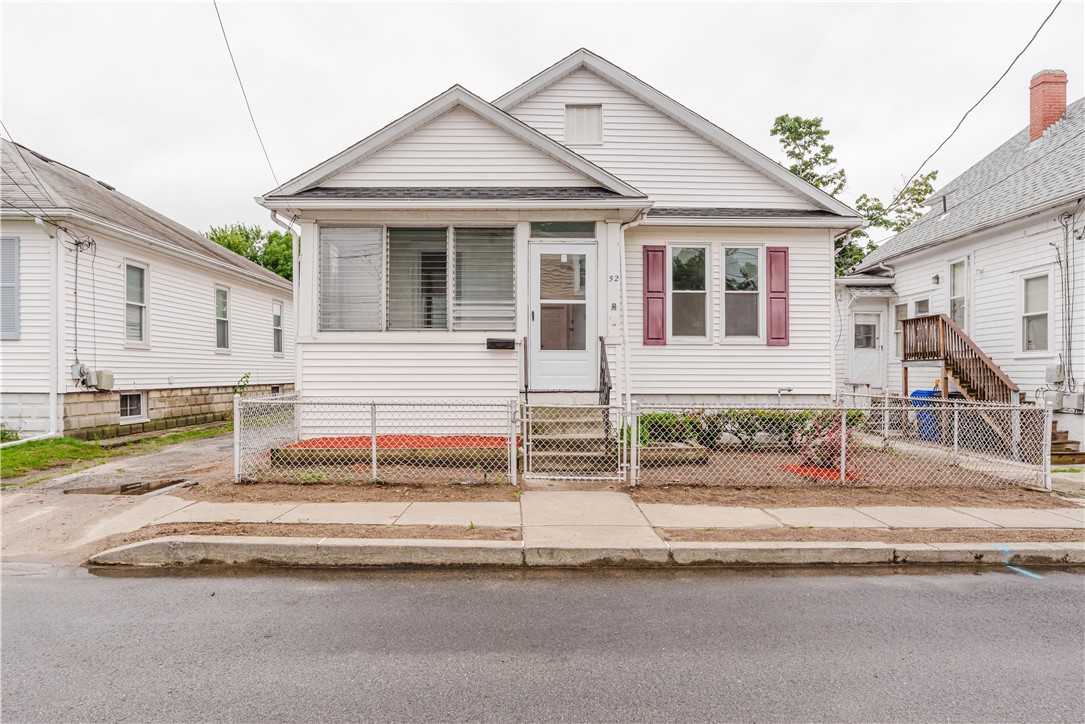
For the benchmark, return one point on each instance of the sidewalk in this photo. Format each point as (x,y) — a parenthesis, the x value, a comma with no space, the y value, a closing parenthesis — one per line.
(575,528)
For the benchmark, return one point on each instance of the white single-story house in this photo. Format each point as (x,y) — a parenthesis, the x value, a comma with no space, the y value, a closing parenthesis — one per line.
(117,320)
(582,237)
(995,267)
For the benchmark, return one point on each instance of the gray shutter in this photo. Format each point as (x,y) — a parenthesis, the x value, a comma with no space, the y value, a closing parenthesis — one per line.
(9,287)
(350,278)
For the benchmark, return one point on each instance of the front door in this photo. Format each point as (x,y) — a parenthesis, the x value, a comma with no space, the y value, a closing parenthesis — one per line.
(866,350)
(564,345)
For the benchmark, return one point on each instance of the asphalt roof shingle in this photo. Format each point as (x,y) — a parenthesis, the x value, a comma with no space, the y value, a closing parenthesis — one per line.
(542,193)
(739,213)
(1015,177)
(62,187)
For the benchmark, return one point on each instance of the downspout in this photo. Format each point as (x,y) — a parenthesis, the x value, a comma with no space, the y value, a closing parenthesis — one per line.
(627,393)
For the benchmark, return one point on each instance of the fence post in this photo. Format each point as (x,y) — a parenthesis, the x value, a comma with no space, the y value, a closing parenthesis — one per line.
(512,441)
(843,446)
(956,434)
(1015,423)
(885,421)
(1049,416)
(237,438)
(634,444)
(373,441)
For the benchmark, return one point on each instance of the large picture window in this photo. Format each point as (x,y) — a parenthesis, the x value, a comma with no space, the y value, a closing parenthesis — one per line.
(437,279)
(1035,313)
(742,292)
(689,291)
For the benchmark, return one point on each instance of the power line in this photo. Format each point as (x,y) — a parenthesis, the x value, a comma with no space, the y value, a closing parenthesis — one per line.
(246,95)
(1017,57)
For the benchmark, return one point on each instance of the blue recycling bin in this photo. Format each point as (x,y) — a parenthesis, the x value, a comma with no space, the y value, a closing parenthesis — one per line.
(926,420)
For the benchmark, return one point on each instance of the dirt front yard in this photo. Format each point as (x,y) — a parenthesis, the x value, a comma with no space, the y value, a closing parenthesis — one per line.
(851,535)
(835,495)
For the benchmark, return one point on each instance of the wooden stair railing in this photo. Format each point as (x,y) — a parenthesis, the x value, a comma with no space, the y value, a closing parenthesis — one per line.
(937,338)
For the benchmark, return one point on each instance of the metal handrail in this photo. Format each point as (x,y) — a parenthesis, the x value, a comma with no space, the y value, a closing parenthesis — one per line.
(604,373)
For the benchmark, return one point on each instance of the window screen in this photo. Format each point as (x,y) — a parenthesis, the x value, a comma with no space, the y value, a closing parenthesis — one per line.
(485,274)
(350,278)
(417,279)
(689,295)
(741,293)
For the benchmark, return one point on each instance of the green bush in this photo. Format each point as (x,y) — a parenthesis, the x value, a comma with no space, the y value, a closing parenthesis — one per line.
(661,427)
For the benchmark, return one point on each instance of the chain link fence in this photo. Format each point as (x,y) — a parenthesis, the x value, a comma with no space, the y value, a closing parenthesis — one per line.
(865,441)
(899,442)
(574,442)
(304,440)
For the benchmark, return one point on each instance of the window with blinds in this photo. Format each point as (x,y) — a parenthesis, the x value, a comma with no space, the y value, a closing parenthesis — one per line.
(350,278)
(485,287)
(9,288)
(417,279)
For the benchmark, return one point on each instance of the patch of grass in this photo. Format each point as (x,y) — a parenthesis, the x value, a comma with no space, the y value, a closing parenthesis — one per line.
(42,454)
(1067,470)
(66,452)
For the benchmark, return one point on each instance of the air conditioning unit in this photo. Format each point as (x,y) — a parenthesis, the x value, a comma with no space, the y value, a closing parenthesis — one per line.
(1075,403)
(105,380)
(1055,374)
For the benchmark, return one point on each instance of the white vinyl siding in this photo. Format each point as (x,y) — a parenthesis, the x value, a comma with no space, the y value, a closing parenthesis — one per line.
(459,149)
(652,151)
(9,288)
(747,366)
(583,124)
(24,356)
(135,304)
(222,318)
(351,262)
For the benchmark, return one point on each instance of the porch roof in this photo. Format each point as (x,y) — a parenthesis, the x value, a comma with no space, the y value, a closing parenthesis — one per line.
(739,213)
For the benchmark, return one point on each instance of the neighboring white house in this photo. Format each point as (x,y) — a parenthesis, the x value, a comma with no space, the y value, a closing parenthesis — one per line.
(117,320)
(999,254)
(582,227)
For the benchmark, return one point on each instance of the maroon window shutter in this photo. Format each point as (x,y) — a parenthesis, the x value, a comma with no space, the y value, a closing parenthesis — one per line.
(779,333)
(655,295)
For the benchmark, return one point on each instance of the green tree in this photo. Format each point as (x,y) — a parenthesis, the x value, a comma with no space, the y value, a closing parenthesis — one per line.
(273,251)
(804,143)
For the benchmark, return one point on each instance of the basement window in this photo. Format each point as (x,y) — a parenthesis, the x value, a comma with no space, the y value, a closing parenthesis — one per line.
(133,407)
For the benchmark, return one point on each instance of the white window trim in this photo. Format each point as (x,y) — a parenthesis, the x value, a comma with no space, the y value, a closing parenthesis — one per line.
(145,343)
(967,261)
(914,303)
(15,333)
(281,327)
(1019,315)
(229,331)
(602,123)
(760,337)
(134,419)
(707,338)
(898,334)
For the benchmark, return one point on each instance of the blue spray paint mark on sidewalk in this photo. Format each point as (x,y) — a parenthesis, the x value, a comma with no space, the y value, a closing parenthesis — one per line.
(1015,569)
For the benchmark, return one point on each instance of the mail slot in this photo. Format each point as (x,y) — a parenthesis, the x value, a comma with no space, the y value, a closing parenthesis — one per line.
(495,343)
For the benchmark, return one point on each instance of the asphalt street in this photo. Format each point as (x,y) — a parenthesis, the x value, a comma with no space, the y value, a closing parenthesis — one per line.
(543,646)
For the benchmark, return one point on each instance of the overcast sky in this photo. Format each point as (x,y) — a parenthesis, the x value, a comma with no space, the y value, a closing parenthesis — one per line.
(142,95)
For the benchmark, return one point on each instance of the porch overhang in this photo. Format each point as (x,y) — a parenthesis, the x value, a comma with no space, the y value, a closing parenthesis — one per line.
(625,209)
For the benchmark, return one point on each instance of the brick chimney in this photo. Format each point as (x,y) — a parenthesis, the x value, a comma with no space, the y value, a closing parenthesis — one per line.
(1047,101)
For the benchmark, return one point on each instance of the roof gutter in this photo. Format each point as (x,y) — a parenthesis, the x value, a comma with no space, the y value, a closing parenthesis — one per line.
(282,203)
(1024,214)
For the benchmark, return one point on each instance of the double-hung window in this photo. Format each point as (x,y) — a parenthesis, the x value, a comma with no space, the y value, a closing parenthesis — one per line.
(900,313)
(135,303)
(1035,313)
(277,327)
(9,288)
(222,318)
(742,292)
(958,293)
(689,291)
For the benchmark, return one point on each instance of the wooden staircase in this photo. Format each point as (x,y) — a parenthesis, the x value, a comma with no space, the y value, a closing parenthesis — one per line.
(936,338)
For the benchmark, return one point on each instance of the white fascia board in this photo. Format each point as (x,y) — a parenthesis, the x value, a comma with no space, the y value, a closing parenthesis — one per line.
(79,218)
(676,111)
(450,99)
(842,224)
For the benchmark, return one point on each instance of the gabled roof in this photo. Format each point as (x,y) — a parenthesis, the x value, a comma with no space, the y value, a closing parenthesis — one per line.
(1015,179)
(454,97)
(697,124)
(32,182)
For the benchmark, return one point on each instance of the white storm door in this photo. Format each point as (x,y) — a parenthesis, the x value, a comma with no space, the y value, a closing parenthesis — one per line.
(564,343)
(867,349)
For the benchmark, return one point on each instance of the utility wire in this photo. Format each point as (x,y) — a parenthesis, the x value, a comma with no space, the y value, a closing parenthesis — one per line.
(246,95)
(900,194)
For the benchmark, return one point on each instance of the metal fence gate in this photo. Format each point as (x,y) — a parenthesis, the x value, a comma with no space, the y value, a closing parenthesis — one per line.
(574,442)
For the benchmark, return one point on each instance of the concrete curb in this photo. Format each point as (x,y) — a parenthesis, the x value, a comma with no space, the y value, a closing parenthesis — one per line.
(360,552)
